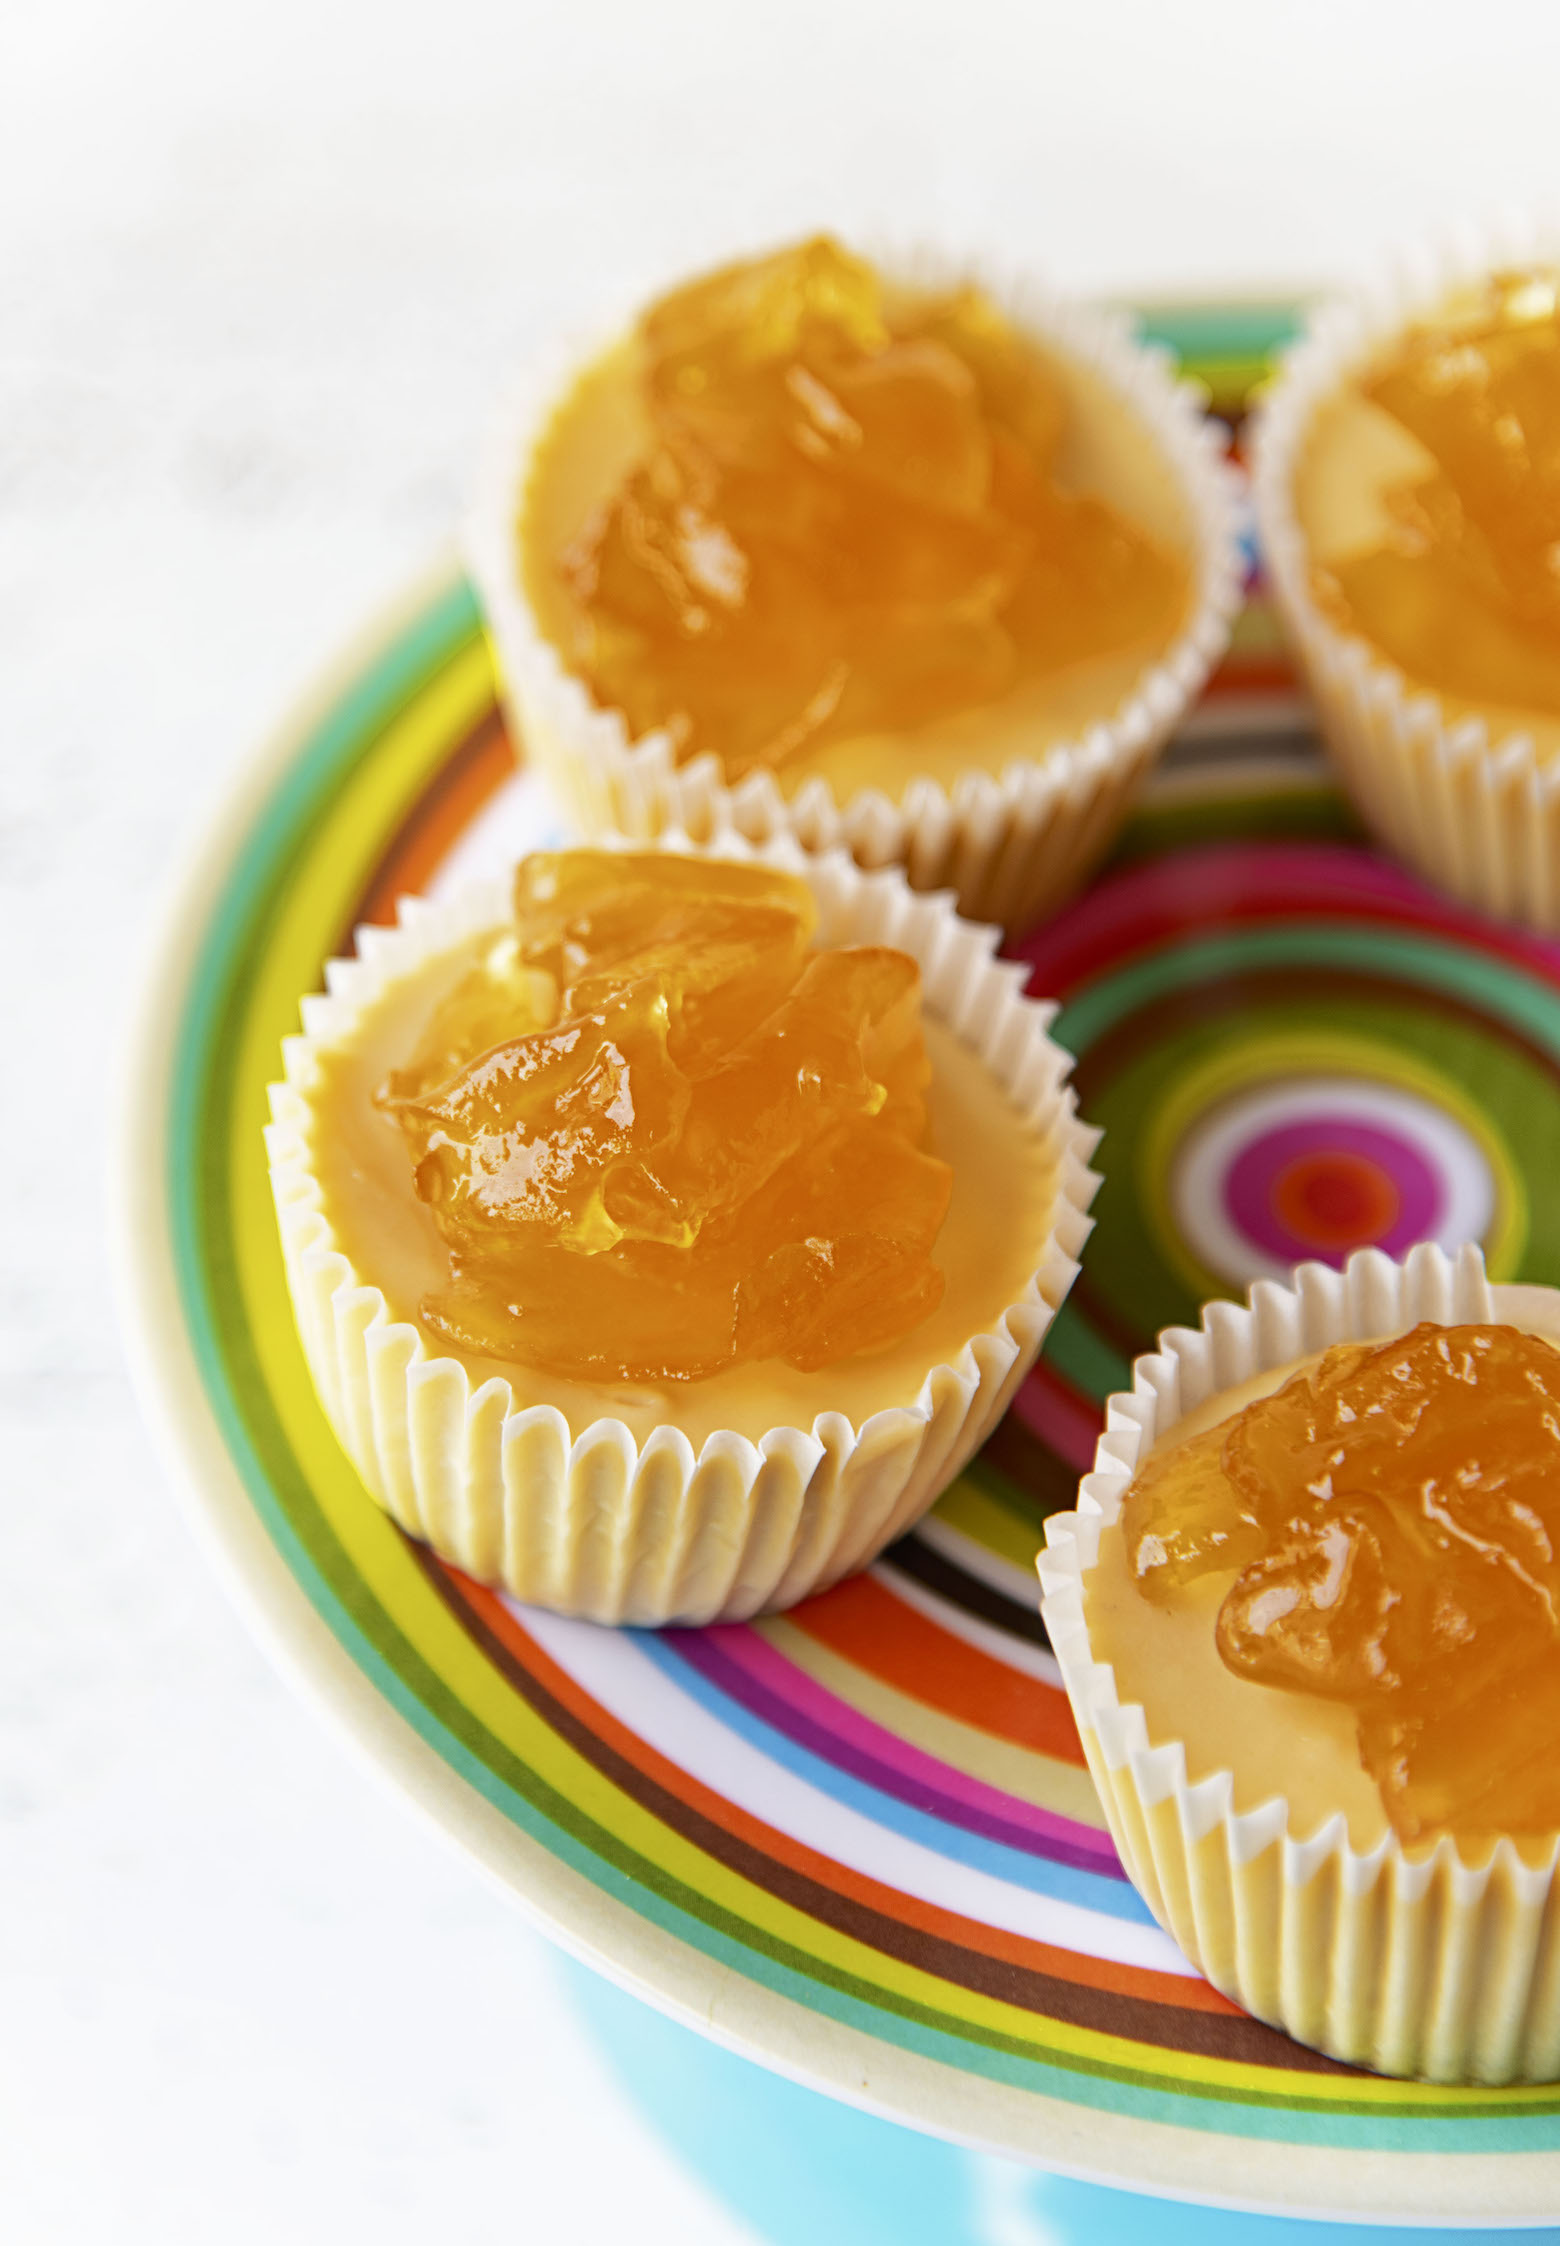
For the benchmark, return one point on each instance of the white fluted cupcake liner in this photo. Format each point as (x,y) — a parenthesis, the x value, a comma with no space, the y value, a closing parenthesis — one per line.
(1472,808)
(1011,846)
(582,1518)
(1420,1964)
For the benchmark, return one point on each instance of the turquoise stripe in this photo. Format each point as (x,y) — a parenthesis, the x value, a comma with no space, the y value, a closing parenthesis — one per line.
(278,1491)
(344,736)
(1221,332)
(642,1889)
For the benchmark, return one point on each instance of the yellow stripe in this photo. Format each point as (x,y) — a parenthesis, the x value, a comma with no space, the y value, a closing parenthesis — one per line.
(1061,1787)
(1257,631)
(343,852)
(383,1565)
(990,1523)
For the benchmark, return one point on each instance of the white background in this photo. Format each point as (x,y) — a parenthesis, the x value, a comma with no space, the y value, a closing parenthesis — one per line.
(261,270)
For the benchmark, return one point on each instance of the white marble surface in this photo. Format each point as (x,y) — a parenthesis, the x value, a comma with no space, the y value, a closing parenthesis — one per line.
(261,268)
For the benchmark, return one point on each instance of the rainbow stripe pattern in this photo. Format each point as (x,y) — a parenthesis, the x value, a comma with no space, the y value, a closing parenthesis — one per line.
(858,1840)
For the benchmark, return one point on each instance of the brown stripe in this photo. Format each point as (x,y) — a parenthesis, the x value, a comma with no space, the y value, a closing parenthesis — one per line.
(472,772)
(1235,2039)
(1031,1473)
(466,778)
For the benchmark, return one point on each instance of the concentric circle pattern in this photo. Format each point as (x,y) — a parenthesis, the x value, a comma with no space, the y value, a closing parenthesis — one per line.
(859,1839)
(1293,1051)
(1313,1167)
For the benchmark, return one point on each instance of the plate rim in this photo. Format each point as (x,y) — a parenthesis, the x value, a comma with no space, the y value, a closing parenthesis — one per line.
(766,2026)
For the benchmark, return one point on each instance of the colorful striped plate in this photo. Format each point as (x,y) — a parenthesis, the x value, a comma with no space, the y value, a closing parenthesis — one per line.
(858,1841)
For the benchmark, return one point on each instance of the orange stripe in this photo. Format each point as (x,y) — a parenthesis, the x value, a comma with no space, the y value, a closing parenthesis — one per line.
(455,796)
(902,1647)
(1173,1990)
(1256,673)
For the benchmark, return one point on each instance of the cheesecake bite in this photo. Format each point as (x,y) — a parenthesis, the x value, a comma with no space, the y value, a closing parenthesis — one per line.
(1406,473)
(1384,1532)
(1445,553)
(660,1135)
(847,519)
(665,1228)
(876,557)
(1306,1614)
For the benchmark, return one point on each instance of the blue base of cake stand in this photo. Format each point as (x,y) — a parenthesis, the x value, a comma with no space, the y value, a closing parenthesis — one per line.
(801,2169)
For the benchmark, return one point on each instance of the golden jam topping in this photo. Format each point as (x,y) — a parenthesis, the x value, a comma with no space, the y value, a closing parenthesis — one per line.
(659,1135)
(1464,594)
(1392,1518)
(847,521)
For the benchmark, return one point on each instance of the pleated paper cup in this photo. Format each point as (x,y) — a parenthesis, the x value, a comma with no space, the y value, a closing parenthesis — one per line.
(1471,802)
(1412,1962)
(1010,845)
(575,1513)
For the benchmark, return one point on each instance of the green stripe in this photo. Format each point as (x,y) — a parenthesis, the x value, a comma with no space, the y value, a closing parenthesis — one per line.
(201,1098)
(201,1089)
(1078,1353)
(224,966)
(1026,1505)
(1310,814)
(1128,1274)
(273,1477)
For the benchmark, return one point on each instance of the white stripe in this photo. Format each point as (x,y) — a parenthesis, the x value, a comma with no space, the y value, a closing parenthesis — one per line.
(1258,713)
(614,1671)
(1013,1653)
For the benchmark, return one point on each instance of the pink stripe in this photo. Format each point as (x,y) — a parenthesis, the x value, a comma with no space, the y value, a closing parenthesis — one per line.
(1244,881)
(744,1646)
